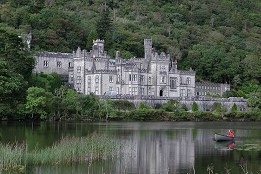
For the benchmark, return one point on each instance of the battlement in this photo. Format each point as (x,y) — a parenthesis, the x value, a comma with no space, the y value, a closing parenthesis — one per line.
(190,72)
(102,71)
(98,41)
(53,54)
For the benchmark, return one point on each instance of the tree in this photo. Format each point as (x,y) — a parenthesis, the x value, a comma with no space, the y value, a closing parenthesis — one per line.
(217,107)
(91,106)
(73,103)
(49,82)
(234,108)
(35,102)
(194,107)
(93,35)
(252,65)
(16,65)
(104,24)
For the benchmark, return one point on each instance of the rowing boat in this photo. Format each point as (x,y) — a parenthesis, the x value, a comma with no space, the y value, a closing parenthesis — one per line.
(220,137)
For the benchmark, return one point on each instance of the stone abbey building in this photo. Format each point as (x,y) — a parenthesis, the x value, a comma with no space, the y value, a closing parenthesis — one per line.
(154,75)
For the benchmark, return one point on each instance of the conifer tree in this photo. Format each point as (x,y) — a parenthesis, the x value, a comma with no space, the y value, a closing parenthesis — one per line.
(93,35)
(104,24)
(194,107)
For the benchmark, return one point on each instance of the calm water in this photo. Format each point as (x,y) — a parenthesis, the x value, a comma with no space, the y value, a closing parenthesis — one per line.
(148,148)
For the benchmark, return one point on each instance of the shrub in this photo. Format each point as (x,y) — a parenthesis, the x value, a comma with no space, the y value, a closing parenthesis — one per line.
(144,106)
(123,105)
(147,114)
(234,108)
(194,107)
(173,106)
(217,107)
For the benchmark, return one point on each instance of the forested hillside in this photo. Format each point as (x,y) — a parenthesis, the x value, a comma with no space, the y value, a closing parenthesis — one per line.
(220,40)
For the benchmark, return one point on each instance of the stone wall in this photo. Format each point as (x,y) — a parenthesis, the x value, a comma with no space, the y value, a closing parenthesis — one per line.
(204,103)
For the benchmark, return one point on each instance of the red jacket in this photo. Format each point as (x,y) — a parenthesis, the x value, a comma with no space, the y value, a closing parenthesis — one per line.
(230,134)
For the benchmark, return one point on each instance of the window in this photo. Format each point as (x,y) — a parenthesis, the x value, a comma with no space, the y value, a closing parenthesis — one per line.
(162,68)
(130,77)
(134,90)
(180,80)
(78,79)
(46,63)
(142,78)
(162,79)
(189,92)
(149,90)
(71,77)
(96,79)
(118,78)
(182,92)
(78,69)
(89,89)
(173,83)
(188,80)
(149,80)
(134,77)
(59,64)
(110,79)
(96,90)
(118,90)
(89,79)
(110,88)
(70,64)
(142,91)
(129,90)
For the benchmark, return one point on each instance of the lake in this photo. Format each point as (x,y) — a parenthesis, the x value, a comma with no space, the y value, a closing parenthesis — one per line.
(149,147)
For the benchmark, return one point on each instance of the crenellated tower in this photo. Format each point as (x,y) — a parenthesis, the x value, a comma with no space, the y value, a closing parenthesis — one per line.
(98,48)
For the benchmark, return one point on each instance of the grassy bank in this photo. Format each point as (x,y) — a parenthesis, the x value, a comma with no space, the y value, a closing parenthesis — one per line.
(162,115)
(66,151)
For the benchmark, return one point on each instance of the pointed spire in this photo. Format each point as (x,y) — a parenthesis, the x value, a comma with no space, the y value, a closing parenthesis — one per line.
(78,52)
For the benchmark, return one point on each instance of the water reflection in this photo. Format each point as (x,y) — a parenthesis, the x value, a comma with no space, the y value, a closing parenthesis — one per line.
(158,152)
(158,147)
(226,145)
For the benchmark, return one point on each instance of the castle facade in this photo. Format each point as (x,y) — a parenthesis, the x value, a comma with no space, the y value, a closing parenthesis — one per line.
(94,71)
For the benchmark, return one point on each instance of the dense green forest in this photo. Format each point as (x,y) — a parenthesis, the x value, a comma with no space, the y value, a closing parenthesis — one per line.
(220,40)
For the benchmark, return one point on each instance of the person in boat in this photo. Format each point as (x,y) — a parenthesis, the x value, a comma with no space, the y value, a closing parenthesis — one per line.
(230,133)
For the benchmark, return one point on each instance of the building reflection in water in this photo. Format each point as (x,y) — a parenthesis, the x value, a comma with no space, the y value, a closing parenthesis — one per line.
(157,152)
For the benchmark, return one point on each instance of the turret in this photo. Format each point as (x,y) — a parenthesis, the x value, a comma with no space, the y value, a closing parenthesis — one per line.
(98,46)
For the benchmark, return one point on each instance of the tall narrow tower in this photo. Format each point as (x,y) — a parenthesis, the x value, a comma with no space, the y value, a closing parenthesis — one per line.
(148,48)
(98,47)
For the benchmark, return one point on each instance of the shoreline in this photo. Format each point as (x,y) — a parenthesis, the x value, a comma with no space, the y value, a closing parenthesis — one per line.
(158,115)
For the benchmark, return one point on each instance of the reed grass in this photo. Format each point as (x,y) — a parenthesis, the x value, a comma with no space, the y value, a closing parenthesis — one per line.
(67,151)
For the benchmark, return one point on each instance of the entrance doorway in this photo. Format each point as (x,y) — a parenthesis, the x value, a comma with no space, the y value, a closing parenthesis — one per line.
(161,93)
